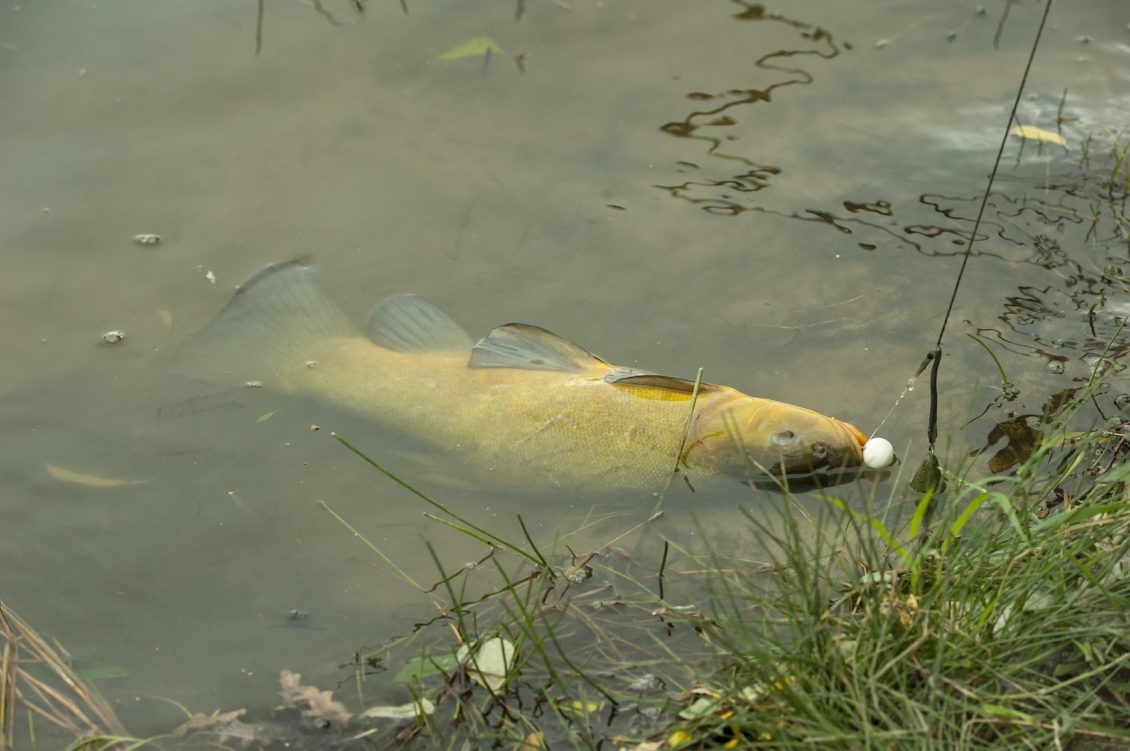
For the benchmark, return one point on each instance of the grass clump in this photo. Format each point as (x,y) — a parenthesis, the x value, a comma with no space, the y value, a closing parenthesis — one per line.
(39,679)
(1001,625)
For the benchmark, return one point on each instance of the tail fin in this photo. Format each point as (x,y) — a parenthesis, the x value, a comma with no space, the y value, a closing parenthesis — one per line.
(278,323)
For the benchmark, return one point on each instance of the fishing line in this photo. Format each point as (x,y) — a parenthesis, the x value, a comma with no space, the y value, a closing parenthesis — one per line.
(993,174)
(934,357)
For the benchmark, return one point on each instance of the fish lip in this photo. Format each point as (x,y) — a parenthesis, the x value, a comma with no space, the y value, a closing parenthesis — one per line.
(856,440)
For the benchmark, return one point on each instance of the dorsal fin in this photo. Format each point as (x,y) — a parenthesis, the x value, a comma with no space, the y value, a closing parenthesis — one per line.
(526,347)
(409,323)
(278,320)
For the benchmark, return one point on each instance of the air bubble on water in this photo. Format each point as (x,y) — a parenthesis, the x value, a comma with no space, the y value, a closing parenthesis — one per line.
(1056,366)
(254,384)
(1099,365)
(114,336)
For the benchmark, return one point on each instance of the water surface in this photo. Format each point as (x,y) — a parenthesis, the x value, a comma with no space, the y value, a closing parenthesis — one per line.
(778,195)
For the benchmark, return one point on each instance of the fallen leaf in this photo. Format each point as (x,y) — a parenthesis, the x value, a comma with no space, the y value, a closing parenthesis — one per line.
(62,474)
(309,700)
(581,708)
(408,711)
(473,47)
(1022,441)
(678,738)
(225,725)
(264,417)
(94,671)
(491,662)
(1032,133)
(700,707)
(535,741)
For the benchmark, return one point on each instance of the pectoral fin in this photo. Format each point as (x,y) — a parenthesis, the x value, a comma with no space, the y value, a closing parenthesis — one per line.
(525,347)
(654,386)
(409,323)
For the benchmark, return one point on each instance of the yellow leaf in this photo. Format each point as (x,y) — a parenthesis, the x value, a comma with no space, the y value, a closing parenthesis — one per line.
(77,478)
(1032,133)
(678,738)
(263,418)
(535,741)
(583,707)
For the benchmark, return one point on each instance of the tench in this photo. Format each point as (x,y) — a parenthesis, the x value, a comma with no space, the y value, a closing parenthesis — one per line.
(522,402)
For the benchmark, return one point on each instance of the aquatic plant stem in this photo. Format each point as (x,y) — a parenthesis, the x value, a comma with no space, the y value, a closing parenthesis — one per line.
(371,546)
(687,425)
(425,497)
(1005,383)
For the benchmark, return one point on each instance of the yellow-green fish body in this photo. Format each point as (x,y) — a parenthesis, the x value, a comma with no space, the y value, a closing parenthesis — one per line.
(522,403)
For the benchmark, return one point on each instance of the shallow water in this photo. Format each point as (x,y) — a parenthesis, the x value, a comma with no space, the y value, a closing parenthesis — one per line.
(778,199)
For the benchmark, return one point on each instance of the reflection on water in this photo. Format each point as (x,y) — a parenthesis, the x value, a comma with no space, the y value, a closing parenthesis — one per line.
(715,194)
(823,186)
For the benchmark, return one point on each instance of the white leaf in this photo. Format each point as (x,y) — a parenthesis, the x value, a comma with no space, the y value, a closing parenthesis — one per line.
(402,712)
(490,665)
(1032,133)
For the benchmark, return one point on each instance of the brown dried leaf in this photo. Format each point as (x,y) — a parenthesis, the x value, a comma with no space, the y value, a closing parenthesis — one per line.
(310,701)
(224,726)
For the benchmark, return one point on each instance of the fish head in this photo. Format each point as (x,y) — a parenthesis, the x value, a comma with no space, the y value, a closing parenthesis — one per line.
(745,435)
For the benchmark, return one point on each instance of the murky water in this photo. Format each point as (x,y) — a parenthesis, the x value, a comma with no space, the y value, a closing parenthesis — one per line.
(777,196)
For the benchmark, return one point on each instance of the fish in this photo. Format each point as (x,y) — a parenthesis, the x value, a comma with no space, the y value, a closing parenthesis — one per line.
(522,403)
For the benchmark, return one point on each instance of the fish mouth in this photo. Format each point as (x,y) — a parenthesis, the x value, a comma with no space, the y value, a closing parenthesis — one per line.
(855,440)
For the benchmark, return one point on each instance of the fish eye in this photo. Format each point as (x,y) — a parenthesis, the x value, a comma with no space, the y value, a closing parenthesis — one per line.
(819,450)
(784,437)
